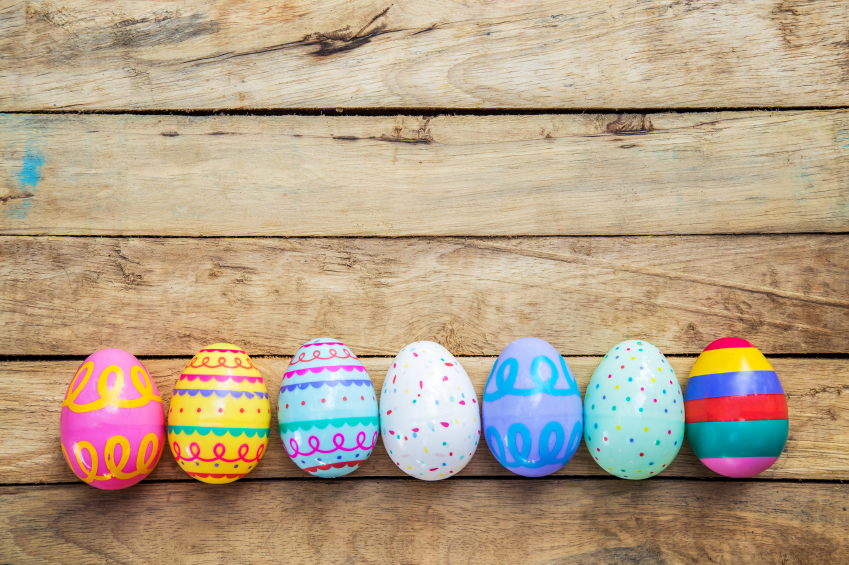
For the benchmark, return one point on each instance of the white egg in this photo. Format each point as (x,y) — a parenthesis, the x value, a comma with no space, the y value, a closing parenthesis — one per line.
(429,413)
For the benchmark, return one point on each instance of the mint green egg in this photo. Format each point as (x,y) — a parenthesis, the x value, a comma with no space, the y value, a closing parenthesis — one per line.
(634,412)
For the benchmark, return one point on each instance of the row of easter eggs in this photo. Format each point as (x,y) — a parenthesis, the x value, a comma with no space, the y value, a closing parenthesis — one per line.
(633,417)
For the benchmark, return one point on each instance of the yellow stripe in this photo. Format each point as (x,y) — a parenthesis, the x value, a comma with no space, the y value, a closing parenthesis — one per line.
(730,360)
(257,412)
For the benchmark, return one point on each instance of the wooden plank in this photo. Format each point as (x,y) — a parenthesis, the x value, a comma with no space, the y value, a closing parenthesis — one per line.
(172,296)
(817,448)
(609,174)
(364,53)
(407,521)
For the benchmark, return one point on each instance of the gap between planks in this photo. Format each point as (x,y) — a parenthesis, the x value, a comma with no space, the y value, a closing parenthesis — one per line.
(387,112)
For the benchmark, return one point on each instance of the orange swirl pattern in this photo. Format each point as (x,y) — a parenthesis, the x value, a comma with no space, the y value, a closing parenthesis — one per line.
(110,396)
(144,463)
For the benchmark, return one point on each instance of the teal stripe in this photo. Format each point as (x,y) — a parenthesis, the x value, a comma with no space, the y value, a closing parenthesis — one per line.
(203,430)
(286,427)
(753,438)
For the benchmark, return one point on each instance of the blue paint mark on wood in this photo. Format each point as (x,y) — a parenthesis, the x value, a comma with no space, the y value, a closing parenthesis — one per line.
(28,178)
(843,137)
(31,170)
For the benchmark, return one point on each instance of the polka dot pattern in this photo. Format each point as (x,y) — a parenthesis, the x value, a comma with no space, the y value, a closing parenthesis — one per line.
(634,412)
(429,413)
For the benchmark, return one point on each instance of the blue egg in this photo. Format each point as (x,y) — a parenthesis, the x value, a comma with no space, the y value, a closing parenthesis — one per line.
(532,412)
(327,409)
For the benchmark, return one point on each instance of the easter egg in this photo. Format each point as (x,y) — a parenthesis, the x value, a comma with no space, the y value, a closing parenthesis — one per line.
(736,411)
(112,424)
(429,416)
(327,409)
(634,412)
(532,413)
(219,415)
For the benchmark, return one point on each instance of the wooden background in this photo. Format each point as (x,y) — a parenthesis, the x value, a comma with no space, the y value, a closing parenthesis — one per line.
(174,174)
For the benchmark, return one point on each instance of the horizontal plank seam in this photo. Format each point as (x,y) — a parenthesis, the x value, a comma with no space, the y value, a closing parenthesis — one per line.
(141,235)
(495,478)
(57,358)
(423,111)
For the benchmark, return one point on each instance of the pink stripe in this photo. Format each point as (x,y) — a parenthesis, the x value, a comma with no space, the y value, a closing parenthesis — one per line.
(323,343)
(728,343)
(331,368)
(739,467)
(220,378)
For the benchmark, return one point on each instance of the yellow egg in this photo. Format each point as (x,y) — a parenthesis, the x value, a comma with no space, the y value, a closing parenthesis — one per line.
(219,416)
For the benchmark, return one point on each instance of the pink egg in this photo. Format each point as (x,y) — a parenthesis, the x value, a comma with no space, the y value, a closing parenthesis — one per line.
(112,424)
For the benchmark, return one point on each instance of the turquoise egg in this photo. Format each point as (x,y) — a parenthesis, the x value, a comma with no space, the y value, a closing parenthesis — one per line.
(327,409)
(634,412)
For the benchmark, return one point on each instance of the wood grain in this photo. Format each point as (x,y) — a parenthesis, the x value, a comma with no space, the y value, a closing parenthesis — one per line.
(581,521)
(30,392)
(608,174)
(172,296)
(445,53)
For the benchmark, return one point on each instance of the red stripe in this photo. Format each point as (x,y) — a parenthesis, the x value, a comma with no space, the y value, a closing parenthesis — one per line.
(727,343)
(736,408)
(216,475)
(333,465)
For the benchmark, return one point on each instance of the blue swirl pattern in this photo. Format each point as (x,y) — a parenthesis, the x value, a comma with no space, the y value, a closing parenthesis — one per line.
(506,385)
(547,454)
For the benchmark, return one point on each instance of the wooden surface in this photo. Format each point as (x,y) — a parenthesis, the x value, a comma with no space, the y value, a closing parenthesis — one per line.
(406,53)
(68,296)
(607,174)
(674,171)
(407,521)
(816,392)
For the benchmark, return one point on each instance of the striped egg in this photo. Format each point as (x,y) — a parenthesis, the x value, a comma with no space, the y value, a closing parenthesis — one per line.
(219,415)
(736,412)
(327,409)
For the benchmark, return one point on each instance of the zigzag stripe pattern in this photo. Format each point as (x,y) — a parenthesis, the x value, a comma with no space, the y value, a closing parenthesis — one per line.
(219,393)
(331,368)
(220,378)
(317,384)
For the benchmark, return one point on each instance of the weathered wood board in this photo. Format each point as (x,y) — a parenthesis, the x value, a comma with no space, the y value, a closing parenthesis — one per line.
(172,296)
(407,521)
(608,174)
(472,230)
(817,448)
(410,54)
